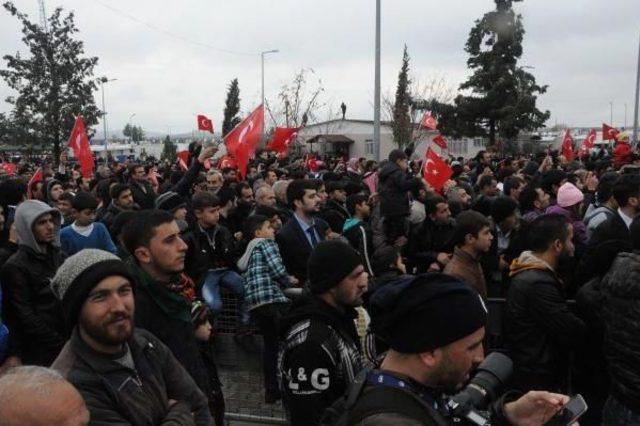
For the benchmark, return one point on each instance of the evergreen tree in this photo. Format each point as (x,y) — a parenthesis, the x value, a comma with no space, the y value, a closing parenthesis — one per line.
(169,150)
(54,83)
(401,118)
(502,96)
(231,108)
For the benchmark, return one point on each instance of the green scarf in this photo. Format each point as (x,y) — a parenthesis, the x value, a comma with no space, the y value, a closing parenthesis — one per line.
(173,304)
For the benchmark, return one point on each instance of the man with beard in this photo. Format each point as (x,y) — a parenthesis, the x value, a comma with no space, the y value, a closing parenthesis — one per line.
(320,354)
(143,193)
(164,294)
(303,231)
(424,364)
(244,205)
(540,328)
(125,375)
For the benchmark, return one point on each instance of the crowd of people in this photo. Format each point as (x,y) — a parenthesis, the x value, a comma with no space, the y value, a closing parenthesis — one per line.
(368,287)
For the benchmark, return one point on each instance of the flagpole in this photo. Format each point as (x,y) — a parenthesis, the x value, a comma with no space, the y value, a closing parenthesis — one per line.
(376,95)
(635,114)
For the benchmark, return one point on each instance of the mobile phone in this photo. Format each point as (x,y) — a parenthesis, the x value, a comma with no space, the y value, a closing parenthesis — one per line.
(571,412)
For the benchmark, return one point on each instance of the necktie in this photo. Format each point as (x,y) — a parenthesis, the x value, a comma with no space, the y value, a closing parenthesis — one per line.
(312,235)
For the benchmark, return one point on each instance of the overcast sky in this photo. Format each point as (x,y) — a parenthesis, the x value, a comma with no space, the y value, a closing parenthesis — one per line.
(171,59)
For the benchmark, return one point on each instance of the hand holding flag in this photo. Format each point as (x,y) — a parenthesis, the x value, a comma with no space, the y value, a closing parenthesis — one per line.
(609,132)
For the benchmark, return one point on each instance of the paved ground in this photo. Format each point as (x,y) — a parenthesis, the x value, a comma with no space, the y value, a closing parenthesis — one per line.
(240,372)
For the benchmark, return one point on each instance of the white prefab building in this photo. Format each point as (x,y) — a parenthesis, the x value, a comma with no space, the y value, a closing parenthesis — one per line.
(354,138)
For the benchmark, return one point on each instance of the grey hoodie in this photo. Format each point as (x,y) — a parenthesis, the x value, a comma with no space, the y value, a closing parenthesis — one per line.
(26,215)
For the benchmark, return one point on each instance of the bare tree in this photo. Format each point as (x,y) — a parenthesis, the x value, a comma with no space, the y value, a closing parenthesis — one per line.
(298,102)
(434,88)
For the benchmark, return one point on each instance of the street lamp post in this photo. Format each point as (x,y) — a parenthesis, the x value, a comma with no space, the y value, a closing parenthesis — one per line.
(104,111)
(266,52)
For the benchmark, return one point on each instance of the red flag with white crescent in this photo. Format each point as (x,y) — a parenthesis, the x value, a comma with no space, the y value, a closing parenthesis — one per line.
(436,171)
(242,141)
(205,124)
(79,143)
(589,142)
(609,133)
(567,146)
(282,139)
(428,121)
(227,162)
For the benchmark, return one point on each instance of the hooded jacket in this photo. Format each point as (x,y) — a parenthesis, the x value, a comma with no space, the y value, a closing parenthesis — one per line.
(621,290)
(540,328)
(318,359)
(32,312)
(47,194)
(394,186)
(360,236)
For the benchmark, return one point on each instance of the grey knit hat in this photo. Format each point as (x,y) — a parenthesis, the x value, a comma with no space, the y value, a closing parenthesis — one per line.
(79,274)
(170,201)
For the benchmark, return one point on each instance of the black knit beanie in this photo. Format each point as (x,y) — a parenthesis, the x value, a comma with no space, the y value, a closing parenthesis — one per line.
(79,274)
(329,263)
(427,312)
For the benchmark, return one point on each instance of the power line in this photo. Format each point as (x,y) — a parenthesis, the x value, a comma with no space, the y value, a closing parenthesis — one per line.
(171,34)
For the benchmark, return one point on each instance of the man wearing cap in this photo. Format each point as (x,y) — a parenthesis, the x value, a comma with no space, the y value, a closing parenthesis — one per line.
(31,311)
(125,375)
(320,354)
(434,325)
(335,211)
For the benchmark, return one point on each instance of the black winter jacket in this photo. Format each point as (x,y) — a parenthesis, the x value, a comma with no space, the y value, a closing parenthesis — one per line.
(31,311)
(426,241)
(335,215)
(394,186)
(118,395)
(621,289)
(179,336)
(204,253)
(143,194)
(539,327)
(319,358)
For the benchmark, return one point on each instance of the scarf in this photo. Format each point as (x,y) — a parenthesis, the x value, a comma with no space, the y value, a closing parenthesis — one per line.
(174,298)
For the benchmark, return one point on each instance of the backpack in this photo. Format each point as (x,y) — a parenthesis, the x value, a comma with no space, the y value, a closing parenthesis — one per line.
(357,405)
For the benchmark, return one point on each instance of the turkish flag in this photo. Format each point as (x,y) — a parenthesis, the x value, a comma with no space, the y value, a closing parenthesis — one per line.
(205,124)
(79,143)
(588,143)
(282,138)
(311,163)
(428,122)
(242,141)
(567,146)
(37,177)
(227,162)
(440,141)
(436,171)
(609,132)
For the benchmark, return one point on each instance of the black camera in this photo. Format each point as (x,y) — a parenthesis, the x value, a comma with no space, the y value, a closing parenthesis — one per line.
(485,386)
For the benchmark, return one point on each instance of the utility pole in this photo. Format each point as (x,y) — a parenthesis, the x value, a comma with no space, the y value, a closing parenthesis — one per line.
(376,90)
(635,114)
(43,16)
(611,113)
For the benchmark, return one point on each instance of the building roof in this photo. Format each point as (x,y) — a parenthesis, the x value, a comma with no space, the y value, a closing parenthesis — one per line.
(330,139)
(324,123)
